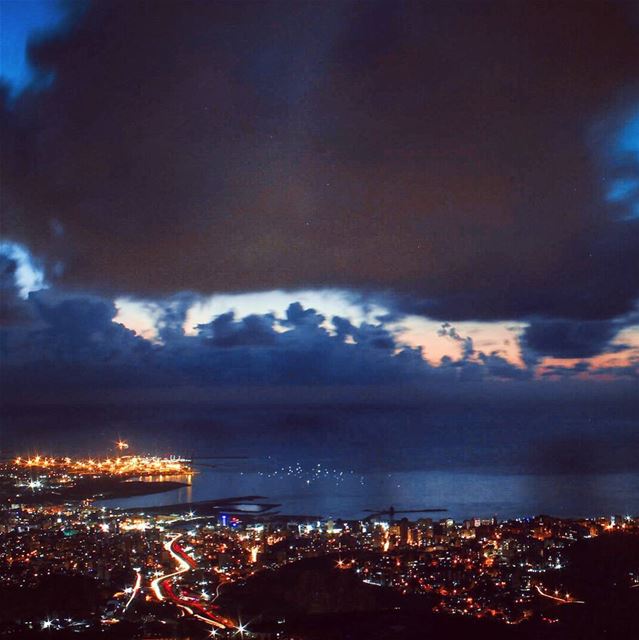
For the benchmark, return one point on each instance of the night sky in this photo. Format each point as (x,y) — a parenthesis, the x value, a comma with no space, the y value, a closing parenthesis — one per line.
(397,206)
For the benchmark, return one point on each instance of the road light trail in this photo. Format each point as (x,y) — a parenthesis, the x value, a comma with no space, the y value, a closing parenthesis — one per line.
(136,589)
(557,599)
(163,583)
(156,585)
(220,584)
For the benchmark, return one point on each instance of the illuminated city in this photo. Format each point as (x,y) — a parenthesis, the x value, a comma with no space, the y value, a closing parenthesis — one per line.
(117,466)
(193,568)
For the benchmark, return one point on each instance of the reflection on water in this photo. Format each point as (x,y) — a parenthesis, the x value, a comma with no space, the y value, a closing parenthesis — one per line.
(463,494)
(177,496)
(187,478)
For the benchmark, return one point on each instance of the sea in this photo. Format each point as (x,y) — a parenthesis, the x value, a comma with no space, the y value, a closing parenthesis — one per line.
(346,462)
(329,490)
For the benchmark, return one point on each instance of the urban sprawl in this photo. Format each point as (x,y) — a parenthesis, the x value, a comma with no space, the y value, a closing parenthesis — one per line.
(154,570)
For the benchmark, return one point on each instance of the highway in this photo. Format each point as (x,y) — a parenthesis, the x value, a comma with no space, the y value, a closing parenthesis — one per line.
(567,600)
(136,589)
(163,589)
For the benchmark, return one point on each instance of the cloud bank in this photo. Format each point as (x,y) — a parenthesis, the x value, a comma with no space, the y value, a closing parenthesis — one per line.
(463,161)
(65,348)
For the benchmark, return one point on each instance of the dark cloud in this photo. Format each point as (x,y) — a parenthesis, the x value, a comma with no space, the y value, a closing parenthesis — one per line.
(630,370)
(170,324)
(468,347)
(13,310)
(445,155)
(566,371)
(568,338)
(253,330)
(79,332)
(498,367)
(376,336)
(297,316)
(475,364)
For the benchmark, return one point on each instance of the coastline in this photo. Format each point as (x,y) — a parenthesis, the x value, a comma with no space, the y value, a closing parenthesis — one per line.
(97,489)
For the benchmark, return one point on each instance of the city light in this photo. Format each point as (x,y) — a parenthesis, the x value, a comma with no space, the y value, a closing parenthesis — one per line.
(118,466)
(480,567)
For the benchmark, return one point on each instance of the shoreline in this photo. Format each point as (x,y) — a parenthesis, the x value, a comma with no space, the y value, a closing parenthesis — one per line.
(97,489)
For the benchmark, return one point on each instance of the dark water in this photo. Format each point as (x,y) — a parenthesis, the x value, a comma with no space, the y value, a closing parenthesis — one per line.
(566,460)
(331,491)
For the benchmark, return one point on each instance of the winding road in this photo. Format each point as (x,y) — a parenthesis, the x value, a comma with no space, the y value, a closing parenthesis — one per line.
(163,589)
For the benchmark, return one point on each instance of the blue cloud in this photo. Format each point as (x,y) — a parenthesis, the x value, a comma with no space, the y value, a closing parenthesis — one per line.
(21,23)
